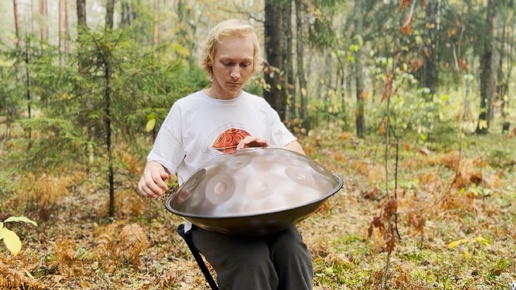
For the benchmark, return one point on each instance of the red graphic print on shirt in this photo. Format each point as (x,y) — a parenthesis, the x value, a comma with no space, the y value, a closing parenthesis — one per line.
(229,139)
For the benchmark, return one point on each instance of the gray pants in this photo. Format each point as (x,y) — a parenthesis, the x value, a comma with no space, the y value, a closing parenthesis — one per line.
(271,262)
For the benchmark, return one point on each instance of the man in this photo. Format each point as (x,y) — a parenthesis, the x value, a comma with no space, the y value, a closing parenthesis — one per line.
(219,120)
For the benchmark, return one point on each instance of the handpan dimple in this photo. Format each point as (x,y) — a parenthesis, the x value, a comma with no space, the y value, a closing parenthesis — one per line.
(300,175)
(319,168)
(288,158)
(239,162)
(191,184)
(220,188)
(283,153)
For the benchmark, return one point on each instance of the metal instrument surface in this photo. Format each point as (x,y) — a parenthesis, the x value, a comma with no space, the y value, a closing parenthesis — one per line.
(254,191)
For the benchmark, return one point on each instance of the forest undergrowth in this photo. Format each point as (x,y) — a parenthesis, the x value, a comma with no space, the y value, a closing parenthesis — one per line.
(453,210)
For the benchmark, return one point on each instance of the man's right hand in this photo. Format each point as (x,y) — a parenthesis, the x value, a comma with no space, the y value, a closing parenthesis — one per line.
(153,182)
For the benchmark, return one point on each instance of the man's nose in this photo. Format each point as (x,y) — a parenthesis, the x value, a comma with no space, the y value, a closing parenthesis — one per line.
(235,72)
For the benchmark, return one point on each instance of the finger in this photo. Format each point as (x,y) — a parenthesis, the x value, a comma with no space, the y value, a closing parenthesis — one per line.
(156,187)
(241,144)
(145,190)
(246,141)
(161,179)
(164,176)
(258,143)
(150,188)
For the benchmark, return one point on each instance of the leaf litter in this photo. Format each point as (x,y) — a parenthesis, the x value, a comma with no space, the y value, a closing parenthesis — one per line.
(454,228)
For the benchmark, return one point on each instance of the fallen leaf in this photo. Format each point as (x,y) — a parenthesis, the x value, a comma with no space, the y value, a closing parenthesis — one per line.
(456,243)
(424,151)
(11,240)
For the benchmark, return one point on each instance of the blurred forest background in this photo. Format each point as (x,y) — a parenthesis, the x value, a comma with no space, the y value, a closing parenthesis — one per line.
(403,98)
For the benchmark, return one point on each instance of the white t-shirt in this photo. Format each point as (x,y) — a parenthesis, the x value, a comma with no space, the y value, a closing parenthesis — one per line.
(199,128)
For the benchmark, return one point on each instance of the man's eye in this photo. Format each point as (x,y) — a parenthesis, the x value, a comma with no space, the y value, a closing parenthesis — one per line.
(246,64)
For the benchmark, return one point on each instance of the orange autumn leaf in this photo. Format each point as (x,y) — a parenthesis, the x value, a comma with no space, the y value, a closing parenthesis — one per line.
(381,129)
(423,4)
(339,157)
(343,136)
(407,26)
(463,64)
(427,53)
(417,64)
(387,87)
(404,3)
(363,95)
(452,32)
(390,239)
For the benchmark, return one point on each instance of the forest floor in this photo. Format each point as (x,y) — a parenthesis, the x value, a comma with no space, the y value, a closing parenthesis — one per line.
(456,206)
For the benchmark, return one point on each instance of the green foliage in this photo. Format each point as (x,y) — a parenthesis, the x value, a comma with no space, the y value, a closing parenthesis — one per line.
(72,101)
(328,107)
(140,30)
(58,143)
(321,34)
(408,111)
(12,96)
(497,156)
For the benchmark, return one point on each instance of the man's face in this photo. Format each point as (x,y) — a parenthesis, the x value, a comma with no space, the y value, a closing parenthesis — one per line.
(232,65)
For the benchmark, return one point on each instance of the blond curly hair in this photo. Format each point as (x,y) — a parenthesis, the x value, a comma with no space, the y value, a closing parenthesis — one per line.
(229,28)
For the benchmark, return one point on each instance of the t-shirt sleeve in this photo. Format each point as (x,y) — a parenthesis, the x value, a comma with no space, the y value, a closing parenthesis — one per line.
(168,146)
(281,136)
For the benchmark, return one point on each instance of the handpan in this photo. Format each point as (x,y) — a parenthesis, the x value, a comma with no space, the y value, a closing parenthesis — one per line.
(254,191)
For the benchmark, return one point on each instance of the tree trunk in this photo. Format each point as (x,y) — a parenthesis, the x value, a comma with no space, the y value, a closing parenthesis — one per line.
(66,29)
(110,12)
(81,15)
(300,63)
(127,13)
(503,81)
(81,27)
(17,26)
(486,73)
(359,78)
(430,67)
(43,30)
(510,65)
(273,49)
(505,55)
(288,95)
(28,92)
(107,124)
(60,23)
